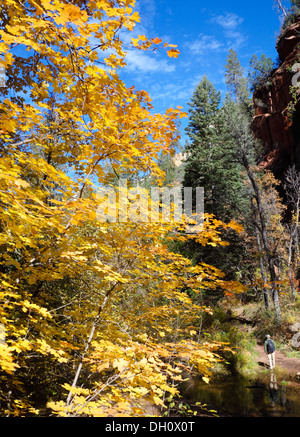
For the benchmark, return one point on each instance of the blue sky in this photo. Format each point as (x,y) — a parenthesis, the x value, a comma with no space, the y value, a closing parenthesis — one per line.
(204,31)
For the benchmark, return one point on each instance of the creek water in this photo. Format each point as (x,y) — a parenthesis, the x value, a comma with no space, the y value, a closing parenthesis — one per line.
(265,396)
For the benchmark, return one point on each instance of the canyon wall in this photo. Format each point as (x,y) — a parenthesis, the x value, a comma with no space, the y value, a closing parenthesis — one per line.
(277,107)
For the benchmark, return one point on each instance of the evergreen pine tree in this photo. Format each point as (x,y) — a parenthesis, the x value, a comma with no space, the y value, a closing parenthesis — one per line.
(203,107)
(296,4)
(259,71)
(290,14)
(295,8)
(210,162)
(235,79)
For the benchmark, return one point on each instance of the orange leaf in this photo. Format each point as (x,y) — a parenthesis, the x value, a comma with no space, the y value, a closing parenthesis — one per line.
(173,53)
(156,40)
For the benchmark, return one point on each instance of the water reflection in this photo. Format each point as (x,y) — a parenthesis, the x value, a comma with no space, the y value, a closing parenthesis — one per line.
(276,397)
(273,390)
(236,396)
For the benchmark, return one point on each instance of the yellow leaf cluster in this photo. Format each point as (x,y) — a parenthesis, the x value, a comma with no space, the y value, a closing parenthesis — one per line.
(76,291)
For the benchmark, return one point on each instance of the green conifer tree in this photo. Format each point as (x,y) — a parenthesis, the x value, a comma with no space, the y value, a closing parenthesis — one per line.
(235,79)
(259,71)
(289,14)
(211,164)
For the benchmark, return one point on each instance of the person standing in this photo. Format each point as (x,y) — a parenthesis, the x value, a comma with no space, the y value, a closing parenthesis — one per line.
(270,349)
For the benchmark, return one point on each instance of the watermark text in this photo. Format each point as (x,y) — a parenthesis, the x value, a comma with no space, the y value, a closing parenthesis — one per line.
(155,205)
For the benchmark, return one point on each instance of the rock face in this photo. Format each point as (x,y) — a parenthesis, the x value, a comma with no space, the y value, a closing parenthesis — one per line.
(295,340)
(295,327)
(277,119)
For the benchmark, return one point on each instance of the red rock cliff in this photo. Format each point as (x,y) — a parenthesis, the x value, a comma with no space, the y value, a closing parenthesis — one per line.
(274,123)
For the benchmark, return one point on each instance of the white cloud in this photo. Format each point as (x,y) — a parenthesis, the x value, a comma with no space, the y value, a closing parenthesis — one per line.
(171,92)
(137,60)
(206,43)
(232,36)
(228,21)
(147,10)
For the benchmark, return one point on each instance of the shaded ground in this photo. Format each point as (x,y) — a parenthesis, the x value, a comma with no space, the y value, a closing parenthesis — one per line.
(290,365)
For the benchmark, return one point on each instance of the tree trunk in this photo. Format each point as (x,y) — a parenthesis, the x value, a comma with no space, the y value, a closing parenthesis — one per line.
(291,258)
(88,344)
(262,270)
(282,8)
(240,132)
(265,241)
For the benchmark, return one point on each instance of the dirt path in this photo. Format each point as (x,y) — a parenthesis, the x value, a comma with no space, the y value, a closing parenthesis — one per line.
(291,365)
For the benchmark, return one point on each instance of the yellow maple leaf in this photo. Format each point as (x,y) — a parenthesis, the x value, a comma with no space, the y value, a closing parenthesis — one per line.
(173,53)
(120,364)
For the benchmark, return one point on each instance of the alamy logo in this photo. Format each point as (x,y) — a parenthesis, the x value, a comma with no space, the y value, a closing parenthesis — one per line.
(174,205)
(295,79)
(2,76)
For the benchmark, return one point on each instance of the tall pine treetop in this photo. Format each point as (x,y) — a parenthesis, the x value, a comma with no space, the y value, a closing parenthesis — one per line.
(203,106)
(235,79)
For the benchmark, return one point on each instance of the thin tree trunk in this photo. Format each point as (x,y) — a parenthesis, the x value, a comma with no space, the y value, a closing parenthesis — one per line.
(88,344)
(262,270)
(282,8)
(290,263)
(240,132)
(265,241)
(292,189)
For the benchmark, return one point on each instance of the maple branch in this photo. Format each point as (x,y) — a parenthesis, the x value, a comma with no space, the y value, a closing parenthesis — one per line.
(20,143)
(89,341)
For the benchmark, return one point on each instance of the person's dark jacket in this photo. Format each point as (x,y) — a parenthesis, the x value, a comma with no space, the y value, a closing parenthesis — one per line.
(269,346)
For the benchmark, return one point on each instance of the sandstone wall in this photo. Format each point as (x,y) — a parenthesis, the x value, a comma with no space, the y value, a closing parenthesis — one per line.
(274,123)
